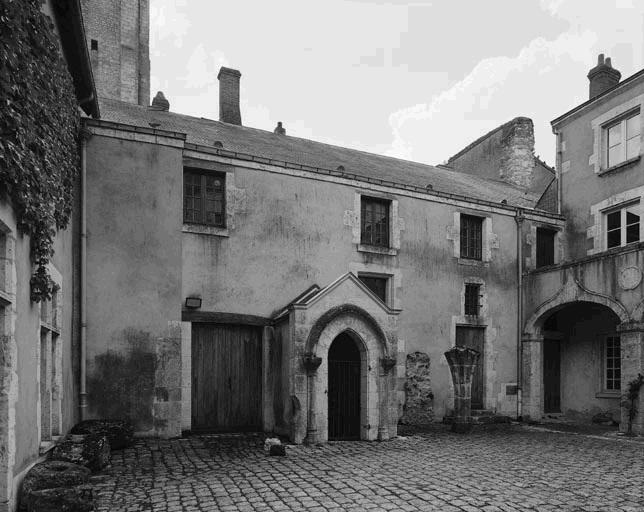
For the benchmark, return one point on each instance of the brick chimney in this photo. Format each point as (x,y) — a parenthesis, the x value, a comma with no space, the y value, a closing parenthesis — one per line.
(229,96)
(602,77)
(279,129)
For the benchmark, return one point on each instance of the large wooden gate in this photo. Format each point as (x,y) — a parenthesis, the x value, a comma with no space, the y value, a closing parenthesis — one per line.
(344,389)
(226,377)
(474,337)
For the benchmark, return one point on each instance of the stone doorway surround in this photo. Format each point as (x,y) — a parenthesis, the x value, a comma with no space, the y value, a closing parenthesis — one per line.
(345,306)
(630,329)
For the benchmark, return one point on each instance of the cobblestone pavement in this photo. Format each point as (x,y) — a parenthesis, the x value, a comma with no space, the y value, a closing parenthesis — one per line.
(502,469)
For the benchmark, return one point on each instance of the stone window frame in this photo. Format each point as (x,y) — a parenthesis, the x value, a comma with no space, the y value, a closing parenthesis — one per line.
(396,223)
(598,160)
(234,199)
(531,241)
(8,375)
(394,288)
(489,239)
(50,368)
(597,231)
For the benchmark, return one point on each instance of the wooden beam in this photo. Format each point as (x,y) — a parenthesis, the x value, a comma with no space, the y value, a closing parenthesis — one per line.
(209,317)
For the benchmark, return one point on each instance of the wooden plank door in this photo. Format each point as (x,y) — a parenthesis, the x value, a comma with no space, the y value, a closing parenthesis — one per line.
(551,376)
(344,389)
(474,337)
(226,377)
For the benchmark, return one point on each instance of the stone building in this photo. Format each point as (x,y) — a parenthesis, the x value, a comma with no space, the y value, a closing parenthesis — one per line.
(247,279)
(39,361)
(582,338)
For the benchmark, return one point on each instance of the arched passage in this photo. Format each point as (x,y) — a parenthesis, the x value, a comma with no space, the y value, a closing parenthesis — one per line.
(572,360)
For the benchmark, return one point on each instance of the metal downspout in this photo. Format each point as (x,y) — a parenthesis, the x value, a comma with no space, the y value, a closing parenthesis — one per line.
(83,288)
(519,220)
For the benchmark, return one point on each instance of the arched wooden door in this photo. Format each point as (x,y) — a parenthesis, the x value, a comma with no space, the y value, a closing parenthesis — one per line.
(344,389)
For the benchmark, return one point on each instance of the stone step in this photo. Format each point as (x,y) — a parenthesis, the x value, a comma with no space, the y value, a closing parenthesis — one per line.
(482,417)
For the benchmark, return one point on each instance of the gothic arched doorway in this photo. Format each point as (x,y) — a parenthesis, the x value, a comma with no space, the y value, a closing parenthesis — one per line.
(344,388)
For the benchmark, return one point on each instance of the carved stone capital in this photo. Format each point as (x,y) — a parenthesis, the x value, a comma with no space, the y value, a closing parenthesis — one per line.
(311,362)
(387,363)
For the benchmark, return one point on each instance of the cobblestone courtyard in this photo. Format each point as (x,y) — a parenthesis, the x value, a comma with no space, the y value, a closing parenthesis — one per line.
(505,468)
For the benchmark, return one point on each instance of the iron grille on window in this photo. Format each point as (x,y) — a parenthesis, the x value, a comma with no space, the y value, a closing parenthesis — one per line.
(374,215)
(471,237)
(545,247)
(613,364)
(203,198)
(472,299)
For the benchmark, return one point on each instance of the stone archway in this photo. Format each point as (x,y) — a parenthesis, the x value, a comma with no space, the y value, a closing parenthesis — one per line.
(376,379)
(534,362)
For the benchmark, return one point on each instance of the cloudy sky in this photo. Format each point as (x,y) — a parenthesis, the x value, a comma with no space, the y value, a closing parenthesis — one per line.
(415,79)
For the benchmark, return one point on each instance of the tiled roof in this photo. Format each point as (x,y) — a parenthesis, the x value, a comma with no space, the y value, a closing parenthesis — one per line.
(252,141)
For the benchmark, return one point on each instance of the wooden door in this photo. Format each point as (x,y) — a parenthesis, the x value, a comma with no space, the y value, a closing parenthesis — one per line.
(344,389)
(226,377)
(551,376)
(474,337)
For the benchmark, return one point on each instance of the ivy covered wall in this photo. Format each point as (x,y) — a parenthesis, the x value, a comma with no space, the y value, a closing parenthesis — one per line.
(39,131)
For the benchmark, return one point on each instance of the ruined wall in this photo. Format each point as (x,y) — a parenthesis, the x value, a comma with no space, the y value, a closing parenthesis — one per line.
(418,407)
(134,292)
(506,153)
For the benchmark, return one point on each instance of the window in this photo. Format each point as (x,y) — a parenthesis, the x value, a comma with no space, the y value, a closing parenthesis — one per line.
(622,226)
(377,284)
(545,247)
(612,364)
(472,299)
(204,198)
(50,368)
(94,44)
(623,140)
(374,221)
(471,237)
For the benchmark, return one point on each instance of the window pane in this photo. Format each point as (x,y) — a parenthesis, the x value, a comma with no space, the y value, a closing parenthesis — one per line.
(633,126)
(374,222)
(614,239)
(614,155)
(471,237)
(613,220)
(378,285)
(614,135)
(633,147)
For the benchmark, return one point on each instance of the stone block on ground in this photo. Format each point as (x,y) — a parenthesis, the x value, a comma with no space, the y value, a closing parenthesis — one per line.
(49,475)
(278,449)
(120,433)
(62,499)
(91,451)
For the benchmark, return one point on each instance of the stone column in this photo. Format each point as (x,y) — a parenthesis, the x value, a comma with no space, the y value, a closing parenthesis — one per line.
(387,364)
(631,342)
(311,364)
(462,361)
(532,377)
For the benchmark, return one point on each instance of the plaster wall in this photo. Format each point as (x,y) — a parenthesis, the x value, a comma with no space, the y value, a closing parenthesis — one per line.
(580,159)
(20,352)
(134,294)
(286,233)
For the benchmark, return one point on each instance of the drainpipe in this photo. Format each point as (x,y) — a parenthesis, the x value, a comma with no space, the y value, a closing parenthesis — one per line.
(519,220)
(83,288)
(558,174)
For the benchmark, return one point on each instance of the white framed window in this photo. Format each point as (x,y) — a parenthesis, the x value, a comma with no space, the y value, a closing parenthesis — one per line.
(622,139)
(622,225)
(612,380)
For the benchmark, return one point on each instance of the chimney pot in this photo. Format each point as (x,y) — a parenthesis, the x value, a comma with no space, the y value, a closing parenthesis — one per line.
(602,77)
(160,102)
(229,95)
(279,130)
